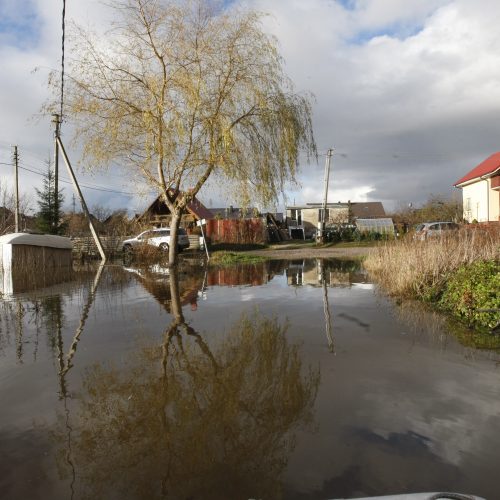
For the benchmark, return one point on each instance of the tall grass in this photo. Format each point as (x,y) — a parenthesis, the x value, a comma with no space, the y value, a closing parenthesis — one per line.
(409,268)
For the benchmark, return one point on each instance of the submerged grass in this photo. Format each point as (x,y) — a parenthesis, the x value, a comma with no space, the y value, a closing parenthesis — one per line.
(424,270)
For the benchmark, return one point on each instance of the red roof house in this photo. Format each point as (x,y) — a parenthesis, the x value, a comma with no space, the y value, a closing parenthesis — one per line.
(481,191)
(488,168)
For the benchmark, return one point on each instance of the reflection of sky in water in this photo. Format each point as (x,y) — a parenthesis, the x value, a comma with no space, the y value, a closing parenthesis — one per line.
(393,413)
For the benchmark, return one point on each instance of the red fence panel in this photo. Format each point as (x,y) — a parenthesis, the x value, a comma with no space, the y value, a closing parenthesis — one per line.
(239,231)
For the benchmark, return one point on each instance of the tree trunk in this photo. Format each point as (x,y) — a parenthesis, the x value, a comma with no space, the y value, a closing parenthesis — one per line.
(173,251)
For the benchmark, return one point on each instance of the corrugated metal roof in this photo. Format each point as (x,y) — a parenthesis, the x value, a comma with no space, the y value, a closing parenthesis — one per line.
(488,166)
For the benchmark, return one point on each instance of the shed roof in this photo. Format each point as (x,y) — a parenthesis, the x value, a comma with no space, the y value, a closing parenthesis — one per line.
(486,168)
(39,240)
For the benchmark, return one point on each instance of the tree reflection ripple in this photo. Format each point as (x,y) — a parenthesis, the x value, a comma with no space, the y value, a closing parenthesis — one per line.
(187,420)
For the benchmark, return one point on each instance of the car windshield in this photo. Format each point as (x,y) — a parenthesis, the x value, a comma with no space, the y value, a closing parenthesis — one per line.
(419,228)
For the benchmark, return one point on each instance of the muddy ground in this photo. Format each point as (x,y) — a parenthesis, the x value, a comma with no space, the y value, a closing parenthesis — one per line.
(292,251)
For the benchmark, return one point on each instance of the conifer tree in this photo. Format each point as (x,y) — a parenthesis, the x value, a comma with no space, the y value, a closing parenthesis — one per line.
(49,216)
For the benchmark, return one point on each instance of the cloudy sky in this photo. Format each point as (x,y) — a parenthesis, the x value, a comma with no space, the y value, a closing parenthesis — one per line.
(406,91)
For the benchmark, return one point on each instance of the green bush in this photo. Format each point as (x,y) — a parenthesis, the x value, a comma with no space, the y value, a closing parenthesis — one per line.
(471,290)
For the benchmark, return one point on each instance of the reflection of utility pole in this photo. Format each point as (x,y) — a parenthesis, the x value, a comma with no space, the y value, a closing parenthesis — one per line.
(322,223)
(65,366)
(19,331)
(326,310)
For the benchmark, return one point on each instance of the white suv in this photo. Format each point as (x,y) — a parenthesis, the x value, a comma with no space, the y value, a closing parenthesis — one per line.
(432,229)
(157,237)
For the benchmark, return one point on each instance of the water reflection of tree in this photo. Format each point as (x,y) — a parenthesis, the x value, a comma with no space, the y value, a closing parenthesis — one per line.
(185,420)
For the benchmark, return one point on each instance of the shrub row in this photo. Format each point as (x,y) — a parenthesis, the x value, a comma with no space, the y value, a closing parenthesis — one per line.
(458,273)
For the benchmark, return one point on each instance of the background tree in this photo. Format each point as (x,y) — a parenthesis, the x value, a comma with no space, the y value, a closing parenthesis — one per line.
(181,91)
(8,207)
(438,207)
(48,218)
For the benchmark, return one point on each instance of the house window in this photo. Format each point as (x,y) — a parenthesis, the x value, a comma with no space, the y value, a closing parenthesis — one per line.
(467,205)
(296,215)
(320,215)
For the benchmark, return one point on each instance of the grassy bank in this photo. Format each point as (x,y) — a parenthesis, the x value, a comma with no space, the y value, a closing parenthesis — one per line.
(459,273)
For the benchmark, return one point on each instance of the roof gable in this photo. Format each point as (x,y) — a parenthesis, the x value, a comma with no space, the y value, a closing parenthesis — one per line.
(194,207)
(488,166)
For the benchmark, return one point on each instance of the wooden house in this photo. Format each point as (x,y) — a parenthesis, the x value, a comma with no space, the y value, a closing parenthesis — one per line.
(158,214)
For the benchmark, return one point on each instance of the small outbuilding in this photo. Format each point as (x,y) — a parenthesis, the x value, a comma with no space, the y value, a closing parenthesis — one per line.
(33,260)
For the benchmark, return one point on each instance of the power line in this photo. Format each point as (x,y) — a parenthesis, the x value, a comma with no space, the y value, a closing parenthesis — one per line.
(86,186)
(66,180)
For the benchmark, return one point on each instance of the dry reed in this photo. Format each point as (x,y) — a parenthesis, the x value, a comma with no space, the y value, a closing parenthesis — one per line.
(409,268)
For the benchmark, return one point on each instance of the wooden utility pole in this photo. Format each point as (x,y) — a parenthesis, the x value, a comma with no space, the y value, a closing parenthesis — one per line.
(326,180)
(56,120)
(82,200)
(16,167)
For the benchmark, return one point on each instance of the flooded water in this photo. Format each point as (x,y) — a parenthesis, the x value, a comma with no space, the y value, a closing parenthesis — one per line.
(286,380)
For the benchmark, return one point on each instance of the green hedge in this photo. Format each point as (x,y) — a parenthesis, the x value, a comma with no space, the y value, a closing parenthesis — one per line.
(471,290)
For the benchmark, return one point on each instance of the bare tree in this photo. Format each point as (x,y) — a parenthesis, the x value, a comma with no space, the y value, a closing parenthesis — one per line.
(8,206)
(181,91)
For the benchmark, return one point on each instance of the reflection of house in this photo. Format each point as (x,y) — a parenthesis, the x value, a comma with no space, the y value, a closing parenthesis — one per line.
(305,218)
(318,272)
(156,280)
(481,191)
(253,275)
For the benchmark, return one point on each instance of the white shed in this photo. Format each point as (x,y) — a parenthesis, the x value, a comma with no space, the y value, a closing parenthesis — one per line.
(33,260)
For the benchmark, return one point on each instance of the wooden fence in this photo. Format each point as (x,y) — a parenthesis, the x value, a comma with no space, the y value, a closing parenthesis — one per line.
(85,246)
(239,231)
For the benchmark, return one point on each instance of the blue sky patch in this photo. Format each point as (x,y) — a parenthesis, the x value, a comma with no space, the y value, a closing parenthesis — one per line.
(347,4)
(20,31)
(400,31)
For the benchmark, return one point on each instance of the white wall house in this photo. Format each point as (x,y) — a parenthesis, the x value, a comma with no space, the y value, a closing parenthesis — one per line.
(481,191)
(305,218)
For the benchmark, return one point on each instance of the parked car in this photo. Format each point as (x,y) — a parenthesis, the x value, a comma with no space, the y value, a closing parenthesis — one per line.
(157,237)
(432,229)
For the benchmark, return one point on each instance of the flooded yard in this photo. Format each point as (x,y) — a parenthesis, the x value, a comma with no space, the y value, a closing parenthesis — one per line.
(283,380)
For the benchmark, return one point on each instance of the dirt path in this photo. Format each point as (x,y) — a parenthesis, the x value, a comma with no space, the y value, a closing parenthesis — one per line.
(294,252)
